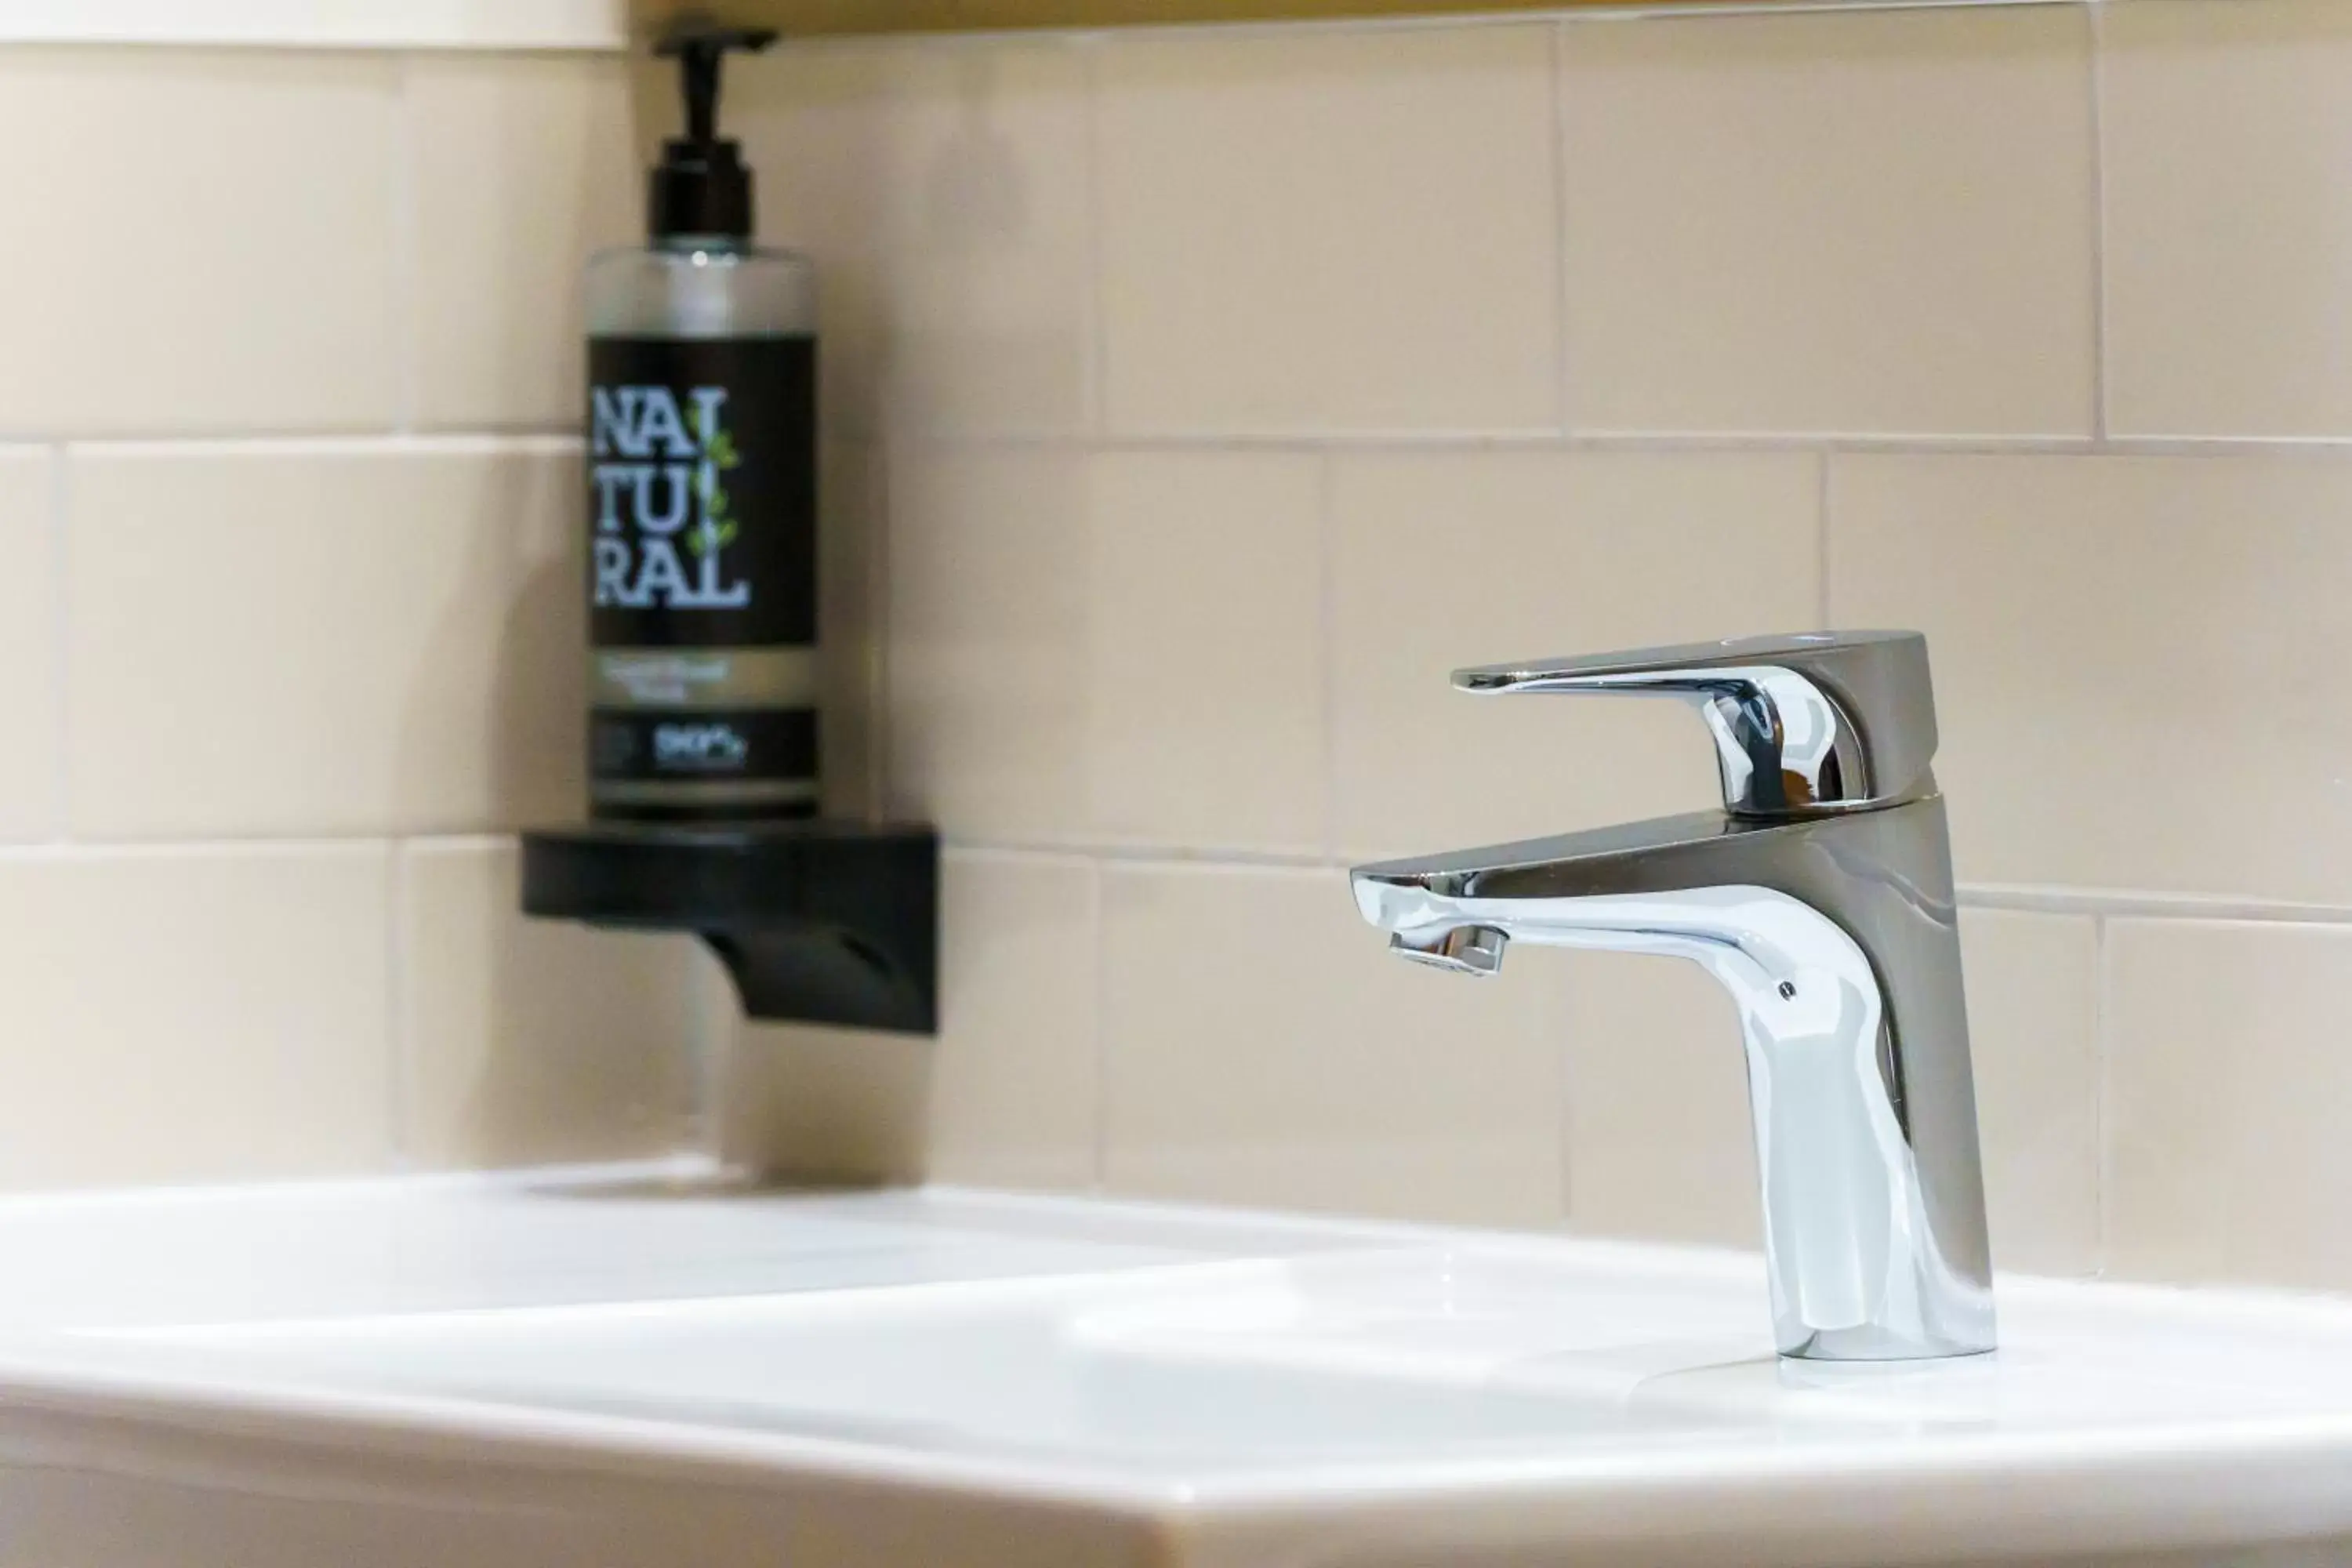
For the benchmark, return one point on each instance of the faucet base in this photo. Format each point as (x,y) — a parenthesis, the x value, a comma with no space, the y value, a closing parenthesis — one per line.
(1870,1346)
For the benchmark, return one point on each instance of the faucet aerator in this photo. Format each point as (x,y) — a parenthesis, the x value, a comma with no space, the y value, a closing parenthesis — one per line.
(1462,950)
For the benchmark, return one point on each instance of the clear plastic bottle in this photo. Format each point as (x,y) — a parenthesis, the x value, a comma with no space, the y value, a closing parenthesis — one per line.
(700,286)
(702,492)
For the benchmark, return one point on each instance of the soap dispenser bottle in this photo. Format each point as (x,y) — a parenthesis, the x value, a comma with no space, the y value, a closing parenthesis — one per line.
(702,490)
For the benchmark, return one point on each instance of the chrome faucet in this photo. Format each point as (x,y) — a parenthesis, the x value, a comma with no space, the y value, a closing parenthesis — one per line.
(1821,897)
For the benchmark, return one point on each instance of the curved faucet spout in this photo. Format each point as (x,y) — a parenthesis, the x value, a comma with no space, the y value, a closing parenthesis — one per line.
(1836,937)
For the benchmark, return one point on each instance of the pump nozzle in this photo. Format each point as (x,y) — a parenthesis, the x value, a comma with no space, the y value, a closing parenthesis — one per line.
(700,185)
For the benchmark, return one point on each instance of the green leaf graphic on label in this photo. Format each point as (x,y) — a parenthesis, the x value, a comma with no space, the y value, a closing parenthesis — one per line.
(718,530)
(718,443)
(662,415)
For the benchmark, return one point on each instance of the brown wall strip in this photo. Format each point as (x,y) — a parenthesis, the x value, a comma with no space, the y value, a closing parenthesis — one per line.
(806,16)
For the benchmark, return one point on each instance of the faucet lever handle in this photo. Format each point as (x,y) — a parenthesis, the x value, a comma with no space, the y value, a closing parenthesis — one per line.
(1806,723)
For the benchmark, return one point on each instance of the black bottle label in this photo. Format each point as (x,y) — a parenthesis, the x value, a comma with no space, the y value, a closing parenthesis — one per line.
(702,576)
(702,490)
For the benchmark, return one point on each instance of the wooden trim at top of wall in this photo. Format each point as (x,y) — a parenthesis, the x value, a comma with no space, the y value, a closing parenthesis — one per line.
(813,17)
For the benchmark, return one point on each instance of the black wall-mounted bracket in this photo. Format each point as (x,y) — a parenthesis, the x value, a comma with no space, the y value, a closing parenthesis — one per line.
(823,923)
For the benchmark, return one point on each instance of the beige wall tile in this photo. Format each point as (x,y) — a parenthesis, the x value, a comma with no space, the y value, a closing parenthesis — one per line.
(2033,994)
(193,1015)
(533,1041)
(850,585)
(1013,1072)
(809,1103)
(256,192)
(810,119)
(1205,669)
(322,640)
(1661,1142)
(1118,646)
(1331,229)
(2273,1555)
(2116,640)
(1005,1096)
(943,193)
(985,240)
(2226,1083)
(1261,1047)
(1445,560)
(988,621)
(1877,222)
(2227,130)
(521,165)
(28,645)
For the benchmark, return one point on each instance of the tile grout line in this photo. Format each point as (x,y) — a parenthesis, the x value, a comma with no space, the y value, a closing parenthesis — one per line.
(69,850)
(2132,904)
(710,1043)
(1098,315)
(1563,379)
(1531,440)
(2123,903)
(1154,856)
(1563,1025)
(1327,644)
(2109,902)
(2103,1075)
(875,516)
(567,439)
(2102,419)
(1099,1033)
(61,542)
(548,441)
(1569,13)
(403,259)
(400,1087)
(1822,500)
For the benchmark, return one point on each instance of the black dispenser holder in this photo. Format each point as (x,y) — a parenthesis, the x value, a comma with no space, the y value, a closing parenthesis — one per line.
(823,923)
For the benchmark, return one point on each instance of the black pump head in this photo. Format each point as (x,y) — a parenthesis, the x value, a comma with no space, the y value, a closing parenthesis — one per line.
(701,185)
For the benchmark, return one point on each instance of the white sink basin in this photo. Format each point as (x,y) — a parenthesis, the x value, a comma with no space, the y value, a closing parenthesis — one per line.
(450,1372)
(1178,1374)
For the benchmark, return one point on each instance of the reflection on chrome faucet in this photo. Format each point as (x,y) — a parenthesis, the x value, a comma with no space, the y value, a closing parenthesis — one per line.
(1821,897)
